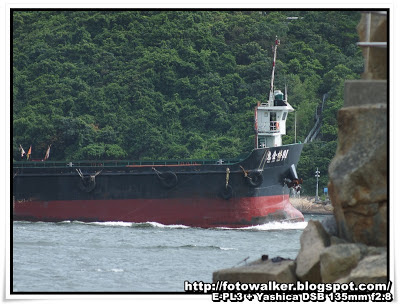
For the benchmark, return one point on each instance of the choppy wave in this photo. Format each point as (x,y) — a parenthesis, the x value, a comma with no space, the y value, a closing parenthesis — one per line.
(159,225)
(271,226)
(264,227)
(110,223)
(191,246)
(279,226)
(148,224)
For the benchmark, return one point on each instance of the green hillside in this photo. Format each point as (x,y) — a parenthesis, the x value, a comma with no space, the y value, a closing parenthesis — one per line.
(175,84)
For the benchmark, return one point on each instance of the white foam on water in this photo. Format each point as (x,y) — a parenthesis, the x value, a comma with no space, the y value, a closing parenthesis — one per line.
(270,226)
(117,270)
(130,224)
(112,223)
(227,249)
(278,226)
(160,225)
(103,223)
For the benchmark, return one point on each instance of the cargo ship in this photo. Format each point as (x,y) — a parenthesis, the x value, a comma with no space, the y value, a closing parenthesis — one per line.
(200,193)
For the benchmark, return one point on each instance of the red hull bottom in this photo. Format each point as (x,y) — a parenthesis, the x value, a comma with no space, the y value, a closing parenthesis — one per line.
(195,212)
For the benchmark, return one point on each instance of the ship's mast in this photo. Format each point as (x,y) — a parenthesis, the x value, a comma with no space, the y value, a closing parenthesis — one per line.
(270,117)
(271,91)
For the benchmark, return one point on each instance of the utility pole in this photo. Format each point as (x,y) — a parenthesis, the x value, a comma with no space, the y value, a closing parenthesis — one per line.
(295,127)
(316,191)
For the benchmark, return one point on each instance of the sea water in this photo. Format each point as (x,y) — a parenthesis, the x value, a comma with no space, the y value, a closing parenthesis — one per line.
(137,257)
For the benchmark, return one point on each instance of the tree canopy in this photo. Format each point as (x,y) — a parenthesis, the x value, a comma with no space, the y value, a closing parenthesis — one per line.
(141,84)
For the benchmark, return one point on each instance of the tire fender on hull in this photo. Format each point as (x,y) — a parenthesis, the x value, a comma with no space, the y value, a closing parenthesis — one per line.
(168,179)
(87,184)
(226,192)
(255,178)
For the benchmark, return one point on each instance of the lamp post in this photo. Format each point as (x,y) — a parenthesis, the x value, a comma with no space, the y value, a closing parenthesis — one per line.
(316,191)
(295,127)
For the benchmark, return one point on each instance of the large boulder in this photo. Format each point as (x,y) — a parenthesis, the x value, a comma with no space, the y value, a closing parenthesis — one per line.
(358,172)
(313,242)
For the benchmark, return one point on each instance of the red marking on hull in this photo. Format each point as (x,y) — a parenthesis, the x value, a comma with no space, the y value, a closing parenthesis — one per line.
(196,212)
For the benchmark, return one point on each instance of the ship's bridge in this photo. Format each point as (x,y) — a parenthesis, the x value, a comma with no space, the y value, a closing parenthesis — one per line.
(271,121)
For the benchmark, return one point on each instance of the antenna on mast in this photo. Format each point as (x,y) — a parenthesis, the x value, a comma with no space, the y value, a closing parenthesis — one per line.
(271,92)
(286,98)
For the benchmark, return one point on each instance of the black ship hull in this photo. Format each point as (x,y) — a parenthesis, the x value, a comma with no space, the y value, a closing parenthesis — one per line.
(251,191)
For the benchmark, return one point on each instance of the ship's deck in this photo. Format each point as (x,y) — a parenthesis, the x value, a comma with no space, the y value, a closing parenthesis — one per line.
(118,163)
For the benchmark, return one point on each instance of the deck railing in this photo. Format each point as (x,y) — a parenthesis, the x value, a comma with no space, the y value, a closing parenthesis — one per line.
(117,163)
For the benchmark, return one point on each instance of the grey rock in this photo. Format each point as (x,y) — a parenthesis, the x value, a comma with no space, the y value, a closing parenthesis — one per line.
(338,260)
(369,250)
(336,240)
(330,226)
(313,241)
(364,92)
(259,272)
(371,269)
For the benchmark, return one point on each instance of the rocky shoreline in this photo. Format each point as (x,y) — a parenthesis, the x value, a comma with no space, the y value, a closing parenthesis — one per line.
(323,258)
(307,205)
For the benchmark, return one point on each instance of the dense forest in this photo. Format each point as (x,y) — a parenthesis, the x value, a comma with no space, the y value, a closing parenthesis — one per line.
(175,84)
